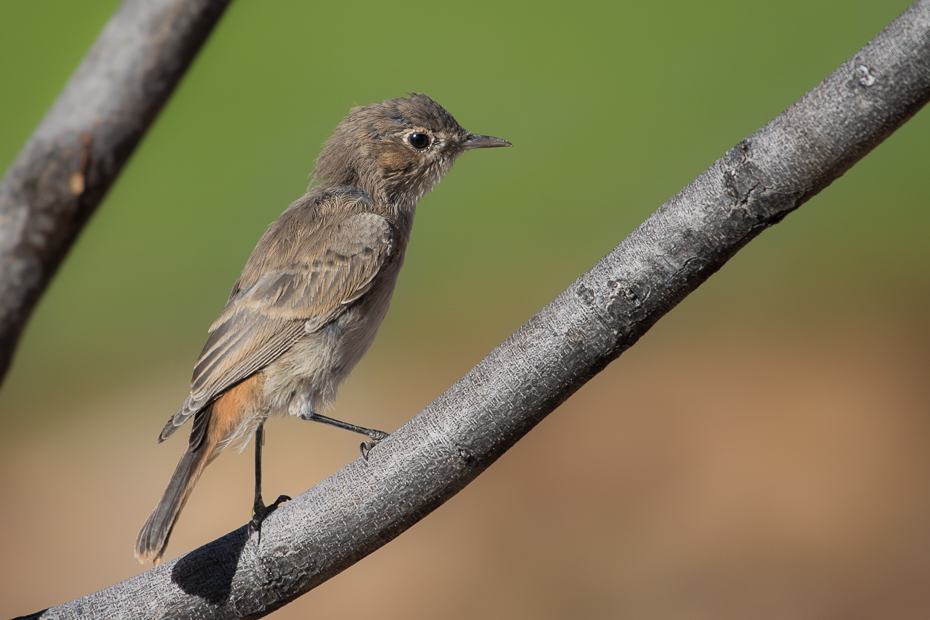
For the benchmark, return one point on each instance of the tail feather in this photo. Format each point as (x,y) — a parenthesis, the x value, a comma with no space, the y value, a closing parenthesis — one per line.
(153,537)
(233,415)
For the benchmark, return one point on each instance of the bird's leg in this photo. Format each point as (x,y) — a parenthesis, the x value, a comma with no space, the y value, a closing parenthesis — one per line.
(259,510)
(374,435)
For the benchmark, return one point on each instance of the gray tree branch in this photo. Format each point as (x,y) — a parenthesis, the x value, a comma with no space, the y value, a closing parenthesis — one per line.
(69,163)
(368,503)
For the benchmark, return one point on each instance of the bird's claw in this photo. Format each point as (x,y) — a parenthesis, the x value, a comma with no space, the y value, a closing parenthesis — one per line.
(376,437)
(260,512)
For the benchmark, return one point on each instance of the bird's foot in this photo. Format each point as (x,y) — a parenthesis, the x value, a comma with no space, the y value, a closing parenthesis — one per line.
(260,511)
(376,438)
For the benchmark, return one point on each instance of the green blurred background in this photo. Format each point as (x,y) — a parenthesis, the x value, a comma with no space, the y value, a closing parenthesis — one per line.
(760,451)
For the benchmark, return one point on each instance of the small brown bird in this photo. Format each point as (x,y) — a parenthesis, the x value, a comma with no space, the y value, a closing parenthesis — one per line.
(313,293)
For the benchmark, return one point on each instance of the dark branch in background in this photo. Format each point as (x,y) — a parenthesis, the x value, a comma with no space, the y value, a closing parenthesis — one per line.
(368,503)
(69,163)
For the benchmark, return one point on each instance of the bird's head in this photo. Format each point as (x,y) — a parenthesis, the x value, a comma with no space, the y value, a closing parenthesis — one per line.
(396,150)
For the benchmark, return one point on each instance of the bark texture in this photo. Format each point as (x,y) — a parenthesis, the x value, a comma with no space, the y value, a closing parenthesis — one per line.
(69,163)
(368,503)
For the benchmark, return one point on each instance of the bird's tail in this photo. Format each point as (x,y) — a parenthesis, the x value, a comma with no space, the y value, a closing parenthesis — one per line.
(153,537)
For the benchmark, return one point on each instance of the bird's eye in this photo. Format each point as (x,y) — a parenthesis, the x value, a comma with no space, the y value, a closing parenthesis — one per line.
(418,140)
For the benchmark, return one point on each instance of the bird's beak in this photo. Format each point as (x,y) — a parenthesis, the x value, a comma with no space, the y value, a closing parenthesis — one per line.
(475,141)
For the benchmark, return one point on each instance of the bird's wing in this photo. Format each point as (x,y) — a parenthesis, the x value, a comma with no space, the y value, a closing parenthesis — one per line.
(305,284)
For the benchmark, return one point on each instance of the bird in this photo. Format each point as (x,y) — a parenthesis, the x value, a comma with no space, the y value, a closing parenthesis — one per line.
(312,294)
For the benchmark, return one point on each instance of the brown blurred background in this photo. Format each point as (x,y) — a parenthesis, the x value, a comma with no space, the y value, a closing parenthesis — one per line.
(761,452)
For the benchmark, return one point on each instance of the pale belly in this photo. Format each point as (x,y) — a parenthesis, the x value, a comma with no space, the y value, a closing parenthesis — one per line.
(306,377)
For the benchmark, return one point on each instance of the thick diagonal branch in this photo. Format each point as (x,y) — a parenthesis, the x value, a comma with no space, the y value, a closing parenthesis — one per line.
(69,163)
(368,503)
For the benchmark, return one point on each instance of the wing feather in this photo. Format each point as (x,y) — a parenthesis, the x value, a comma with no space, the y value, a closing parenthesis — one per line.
(299,278)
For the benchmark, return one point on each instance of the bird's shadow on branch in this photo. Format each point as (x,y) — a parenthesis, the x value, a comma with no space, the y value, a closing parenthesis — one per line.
(207,572)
